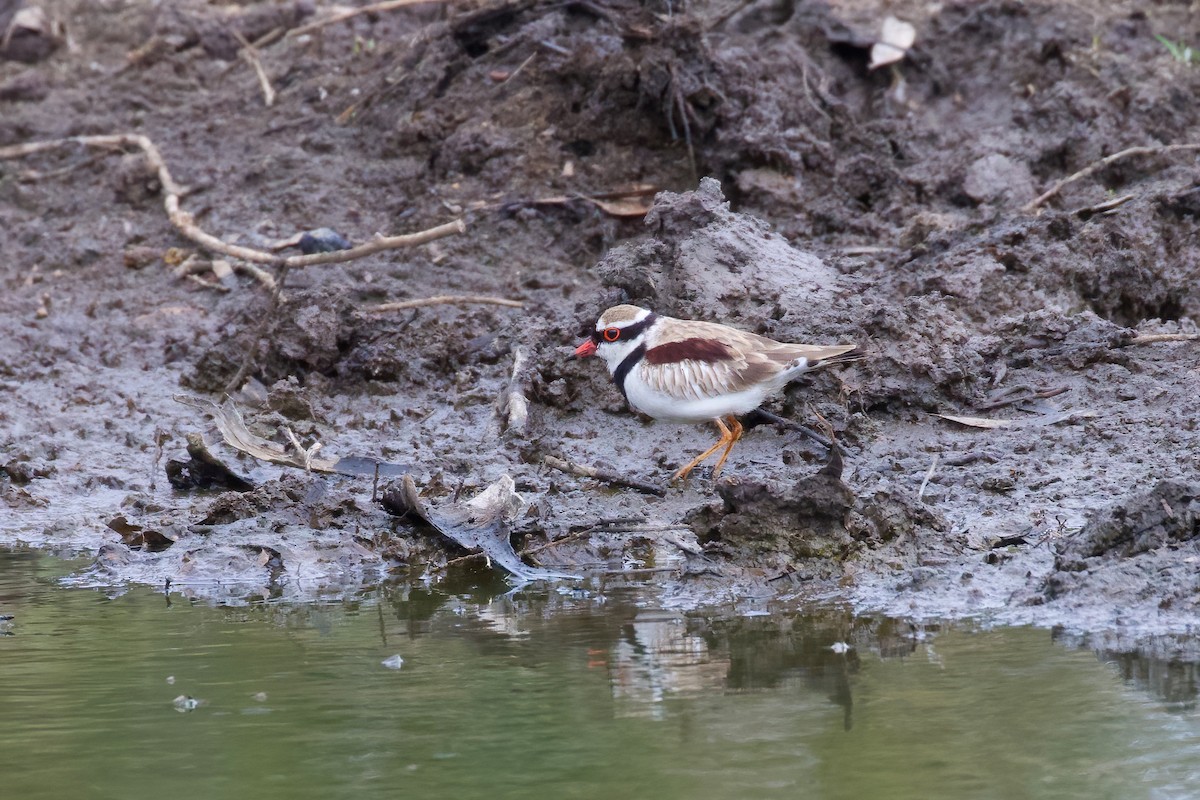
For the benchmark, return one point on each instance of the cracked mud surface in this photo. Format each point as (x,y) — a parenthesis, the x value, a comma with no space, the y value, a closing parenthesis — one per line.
(842,205)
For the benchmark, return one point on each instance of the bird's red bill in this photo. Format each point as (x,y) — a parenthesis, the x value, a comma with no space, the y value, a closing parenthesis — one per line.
(585,349)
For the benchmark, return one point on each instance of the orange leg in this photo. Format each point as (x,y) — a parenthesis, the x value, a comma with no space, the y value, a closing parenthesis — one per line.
(727,439)
(735,434)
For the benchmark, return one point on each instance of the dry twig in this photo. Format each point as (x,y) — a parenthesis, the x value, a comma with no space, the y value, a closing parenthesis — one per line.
(512,407)
(185,224)
(596,529)
(350,13)
(460,560)
(250,53)
(677,98)
(631,201)
(259,274)
(1020,394)
(203,284)
(1107,207)
(1154,338)
(268,38)
(517,71)
(260,334)
(1041,199)
(928,476)
(444,300)
(601,475)
(570,537)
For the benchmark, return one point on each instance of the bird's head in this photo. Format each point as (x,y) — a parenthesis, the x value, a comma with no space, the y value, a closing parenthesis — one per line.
(619,331)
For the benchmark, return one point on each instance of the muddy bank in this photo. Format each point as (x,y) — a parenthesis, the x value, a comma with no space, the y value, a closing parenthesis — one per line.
(802,196)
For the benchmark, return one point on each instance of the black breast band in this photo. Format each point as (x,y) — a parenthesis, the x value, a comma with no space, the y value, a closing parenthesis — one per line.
(629,362)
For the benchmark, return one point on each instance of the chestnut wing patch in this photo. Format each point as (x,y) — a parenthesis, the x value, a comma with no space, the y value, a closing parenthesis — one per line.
(706,350)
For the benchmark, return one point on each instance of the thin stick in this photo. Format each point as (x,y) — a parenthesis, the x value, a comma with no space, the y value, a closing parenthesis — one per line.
(636,529)
(588,532)
(928,476)
(1101,164)
(34,175)
(517,71)
(203,284)
(683,116)
(864,251)
(570,537)
(1152,338)
(1107,207)
(250,53)
(760,416)
(342,16)
(460,560)
(268,38)
(1021,394)
(601,475)
(376,245)
(260,274)
(247,364)
(641,570)
(444,300)
(183,221)
(513,405)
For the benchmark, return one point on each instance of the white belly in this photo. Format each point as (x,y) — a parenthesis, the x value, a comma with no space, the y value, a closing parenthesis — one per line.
(662,406)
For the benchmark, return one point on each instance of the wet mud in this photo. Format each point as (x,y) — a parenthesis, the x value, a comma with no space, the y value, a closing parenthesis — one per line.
(800,195)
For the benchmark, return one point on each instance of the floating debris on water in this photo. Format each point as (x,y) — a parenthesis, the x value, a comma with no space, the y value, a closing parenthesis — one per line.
(185,702)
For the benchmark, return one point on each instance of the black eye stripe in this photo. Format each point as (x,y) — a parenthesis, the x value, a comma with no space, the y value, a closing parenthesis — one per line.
(628,332)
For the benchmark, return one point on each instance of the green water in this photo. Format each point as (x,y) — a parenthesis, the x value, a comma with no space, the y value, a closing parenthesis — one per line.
(544,694)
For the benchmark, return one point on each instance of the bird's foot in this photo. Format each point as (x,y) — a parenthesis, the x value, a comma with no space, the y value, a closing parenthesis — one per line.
(690,471)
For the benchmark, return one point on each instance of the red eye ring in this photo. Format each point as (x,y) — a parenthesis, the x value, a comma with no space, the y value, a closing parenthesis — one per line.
(612,334)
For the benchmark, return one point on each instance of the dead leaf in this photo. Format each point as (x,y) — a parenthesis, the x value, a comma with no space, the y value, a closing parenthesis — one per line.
(977,422)
(628,207)
(894,42)
(235,433)
(138,537)
(1038,421)
(203,470)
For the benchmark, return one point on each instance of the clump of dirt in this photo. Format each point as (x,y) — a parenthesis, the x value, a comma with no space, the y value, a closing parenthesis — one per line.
(1136,552)
(804,197)
(805,521)
(308,333)
(268,541)
(1170,512)
(815,526)
(705,261)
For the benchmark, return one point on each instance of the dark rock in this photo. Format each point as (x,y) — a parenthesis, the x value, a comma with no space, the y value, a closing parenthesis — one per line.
(322,240)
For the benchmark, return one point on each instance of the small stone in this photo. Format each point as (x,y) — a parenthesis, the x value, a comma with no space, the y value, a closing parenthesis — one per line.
(998,178)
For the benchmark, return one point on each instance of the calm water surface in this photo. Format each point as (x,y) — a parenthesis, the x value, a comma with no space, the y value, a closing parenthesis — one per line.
(542,694)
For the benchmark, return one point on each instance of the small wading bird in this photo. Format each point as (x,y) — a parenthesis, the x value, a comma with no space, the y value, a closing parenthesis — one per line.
(679,370)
